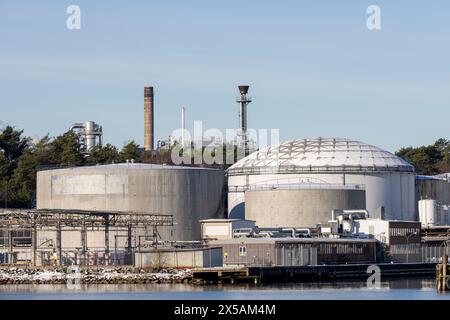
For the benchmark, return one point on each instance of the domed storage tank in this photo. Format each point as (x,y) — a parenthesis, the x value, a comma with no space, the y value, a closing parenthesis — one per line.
(189,194)
(387,179)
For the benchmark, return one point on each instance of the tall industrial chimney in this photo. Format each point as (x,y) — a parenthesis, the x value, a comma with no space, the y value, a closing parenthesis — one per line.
(243,100)
(148,119)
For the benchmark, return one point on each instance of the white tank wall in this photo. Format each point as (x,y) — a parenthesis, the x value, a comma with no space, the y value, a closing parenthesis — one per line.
(189,195)
(393,190)
(428,212)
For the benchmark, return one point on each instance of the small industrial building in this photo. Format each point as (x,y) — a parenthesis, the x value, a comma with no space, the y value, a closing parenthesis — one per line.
(296,251)
(326,173)
(388,231)
(403,238)
(179,258)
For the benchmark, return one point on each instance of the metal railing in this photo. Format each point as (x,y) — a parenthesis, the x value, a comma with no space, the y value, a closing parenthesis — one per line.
(315,169)
(300,186)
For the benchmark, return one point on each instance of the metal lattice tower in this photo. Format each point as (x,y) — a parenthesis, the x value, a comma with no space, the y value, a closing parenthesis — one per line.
(243,100)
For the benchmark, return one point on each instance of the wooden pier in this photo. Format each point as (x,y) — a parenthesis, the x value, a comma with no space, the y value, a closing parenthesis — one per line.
(443,275)
(283,274)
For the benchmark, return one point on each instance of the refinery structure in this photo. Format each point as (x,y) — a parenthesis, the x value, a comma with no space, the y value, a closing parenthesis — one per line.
(307,201)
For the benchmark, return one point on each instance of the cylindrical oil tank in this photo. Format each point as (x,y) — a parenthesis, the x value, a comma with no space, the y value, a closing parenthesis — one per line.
(189,194)
(428,212)
(299,207)
(387,179)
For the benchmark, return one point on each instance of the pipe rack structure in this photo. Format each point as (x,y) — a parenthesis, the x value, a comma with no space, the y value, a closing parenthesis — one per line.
(61,221)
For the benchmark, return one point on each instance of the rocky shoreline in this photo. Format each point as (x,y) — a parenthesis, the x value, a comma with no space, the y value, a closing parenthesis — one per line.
(104,275)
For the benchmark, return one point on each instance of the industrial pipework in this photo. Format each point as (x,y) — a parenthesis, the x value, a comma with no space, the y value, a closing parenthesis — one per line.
(342,221)
(243,100)
(88,133)
(148,119)
(351,214)
(275,232)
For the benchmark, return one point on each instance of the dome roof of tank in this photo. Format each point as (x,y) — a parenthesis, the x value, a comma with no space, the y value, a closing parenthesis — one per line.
(320,155)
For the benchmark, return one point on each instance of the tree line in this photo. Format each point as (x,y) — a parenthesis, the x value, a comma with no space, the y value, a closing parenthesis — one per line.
(428,160)
(20,159)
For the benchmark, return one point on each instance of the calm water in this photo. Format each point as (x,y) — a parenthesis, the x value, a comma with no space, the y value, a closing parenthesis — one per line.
(410,289)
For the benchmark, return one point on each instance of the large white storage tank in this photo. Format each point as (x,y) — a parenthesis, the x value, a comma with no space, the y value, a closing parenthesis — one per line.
(189,194)
(428,212)
(387,179)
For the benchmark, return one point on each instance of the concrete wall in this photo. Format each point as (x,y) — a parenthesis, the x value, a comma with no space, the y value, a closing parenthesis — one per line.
(223,229)
(199,258)
(392,190)
(299,208)
(186,193)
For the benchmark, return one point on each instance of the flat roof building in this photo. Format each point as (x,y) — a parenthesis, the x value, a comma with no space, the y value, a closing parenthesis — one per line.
(296,251)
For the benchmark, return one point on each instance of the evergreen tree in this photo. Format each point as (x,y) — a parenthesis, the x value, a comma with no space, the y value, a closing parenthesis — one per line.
(23,182)
(12,147)
(426,159)
(103,155)
(65,150)
(130,151)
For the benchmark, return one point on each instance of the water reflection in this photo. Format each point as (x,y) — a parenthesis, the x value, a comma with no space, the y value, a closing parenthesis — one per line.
(410,288)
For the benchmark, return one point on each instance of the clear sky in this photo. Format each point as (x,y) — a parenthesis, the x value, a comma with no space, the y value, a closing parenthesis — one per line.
(313,66)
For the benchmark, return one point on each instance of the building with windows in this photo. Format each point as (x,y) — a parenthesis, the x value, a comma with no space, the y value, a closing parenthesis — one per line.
(296,251)
(388,231)
(403,239)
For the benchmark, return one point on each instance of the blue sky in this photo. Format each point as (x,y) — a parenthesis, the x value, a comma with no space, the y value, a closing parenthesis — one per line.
(313,67)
